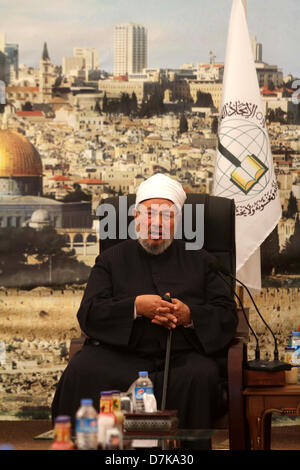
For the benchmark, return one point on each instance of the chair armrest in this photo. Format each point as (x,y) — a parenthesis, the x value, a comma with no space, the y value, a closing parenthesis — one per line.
(237,355)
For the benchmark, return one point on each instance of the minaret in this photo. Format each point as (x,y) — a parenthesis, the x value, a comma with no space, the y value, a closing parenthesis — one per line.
(45,76)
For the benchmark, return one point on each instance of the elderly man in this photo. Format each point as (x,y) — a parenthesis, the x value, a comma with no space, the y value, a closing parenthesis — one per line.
(127,321)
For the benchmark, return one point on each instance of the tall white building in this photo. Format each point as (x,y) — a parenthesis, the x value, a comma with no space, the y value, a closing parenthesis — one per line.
(89,55)
(130,49)
(11,59)
(256,48)
(2,42)
(72,65)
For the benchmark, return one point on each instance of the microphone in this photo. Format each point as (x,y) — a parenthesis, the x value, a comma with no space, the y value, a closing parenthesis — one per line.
(257,363)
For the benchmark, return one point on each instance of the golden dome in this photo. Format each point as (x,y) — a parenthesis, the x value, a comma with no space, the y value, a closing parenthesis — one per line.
(18,157)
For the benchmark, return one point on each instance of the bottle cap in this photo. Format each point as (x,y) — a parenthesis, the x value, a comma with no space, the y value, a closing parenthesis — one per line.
(143,373)
(7,447)
(106,393)
(62,419)
(86,401)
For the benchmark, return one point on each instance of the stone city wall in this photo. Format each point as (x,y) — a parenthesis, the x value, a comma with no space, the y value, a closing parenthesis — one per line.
(280,307)
(36,329)
(40,313)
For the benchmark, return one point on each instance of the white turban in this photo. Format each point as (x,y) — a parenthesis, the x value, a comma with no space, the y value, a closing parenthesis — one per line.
(161,186)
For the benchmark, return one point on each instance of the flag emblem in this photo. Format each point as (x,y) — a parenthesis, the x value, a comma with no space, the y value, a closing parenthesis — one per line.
(245,147)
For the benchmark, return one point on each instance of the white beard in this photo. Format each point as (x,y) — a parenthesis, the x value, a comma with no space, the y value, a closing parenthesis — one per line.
(153,249)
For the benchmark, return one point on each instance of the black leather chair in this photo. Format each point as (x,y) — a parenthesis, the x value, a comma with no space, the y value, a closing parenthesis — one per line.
(219,239)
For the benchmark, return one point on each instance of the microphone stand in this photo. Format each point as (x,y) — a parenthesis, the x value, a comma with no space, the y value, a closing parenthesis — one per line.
(268,366)
(257,349)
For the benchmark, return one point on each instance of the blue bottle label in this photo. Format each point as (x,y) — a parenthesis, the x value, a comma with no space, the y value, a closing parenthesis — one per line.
(86,425)
(139,391)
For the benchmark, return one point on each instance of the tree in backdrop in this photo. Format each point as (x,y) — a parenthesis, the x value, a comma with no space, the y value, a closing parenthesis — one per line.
(292,207)
(15,247)
(77,195)
(214,125)
(26,256)
(126,105)
(270,115)
(270,254)
(97,107)
(153,106)
(27,106)
(134,103)
(204,100)
(276,115)
(105,103)
(183,124)
(290,255)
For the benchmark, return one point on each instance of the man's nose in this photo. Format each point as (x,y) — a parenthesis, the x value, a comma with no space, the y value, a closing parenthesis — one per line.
(156,220)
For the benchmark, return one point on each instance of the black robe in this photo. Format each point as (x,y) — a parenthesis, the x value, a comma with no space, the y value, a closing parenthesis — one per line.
(120,346)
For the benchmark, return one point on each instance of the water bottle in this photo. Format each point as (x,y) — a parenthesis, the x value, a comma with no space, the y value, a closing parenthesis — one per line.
(295,338)
(142,385)
(86,426)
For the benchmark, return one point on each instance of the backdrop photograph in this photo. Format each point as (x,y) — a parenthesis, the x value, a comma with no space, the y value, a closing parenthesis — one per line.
(97,96)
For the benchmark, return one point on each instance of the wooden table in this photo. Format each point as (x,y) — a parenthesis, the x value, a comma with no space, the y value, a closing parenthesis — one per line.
(261,402)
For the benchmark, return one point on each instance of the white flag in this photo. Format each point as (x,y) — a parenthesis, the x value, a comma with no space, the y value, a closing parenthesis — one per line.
(244,163)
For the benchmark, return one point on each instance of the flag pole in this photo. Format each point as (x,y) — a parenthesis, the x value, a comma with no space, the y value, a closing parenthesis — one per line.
(240,288)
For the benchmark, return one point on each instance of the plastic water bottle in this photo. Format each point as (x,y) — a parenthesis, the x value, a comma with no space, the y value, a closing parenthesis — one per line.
(296,338)
(142,385)
(86,426)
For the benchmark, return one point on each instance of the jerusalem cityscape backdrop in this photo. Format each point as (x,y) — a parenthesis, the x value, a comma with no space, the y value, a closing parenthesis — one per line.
(73,134)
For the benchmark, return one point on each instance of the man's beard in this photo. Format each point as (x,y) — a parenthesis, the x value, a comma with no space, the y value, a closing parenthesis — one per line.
(154,249)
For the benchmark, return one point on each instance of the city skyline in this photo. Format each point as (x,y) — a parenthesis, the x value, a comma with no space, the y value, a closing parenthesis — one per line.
(178,32)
